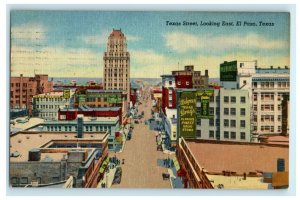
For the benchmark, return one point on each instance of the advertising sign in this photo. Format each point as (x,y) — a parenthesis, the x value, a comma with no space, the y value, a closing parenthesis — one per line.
(204,96)
(228,71)
(187,112)
(66,93)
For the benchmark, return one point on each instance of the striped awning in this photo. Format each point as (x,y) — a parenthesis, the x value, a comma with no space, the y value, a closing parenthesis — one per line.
(104,165)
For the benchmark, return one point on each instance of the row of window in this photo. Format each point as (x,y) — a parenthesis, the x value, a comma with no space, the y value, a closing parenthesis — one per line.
(233,123)
(18,84)
(267,128)
(49,106)
(233,111)
(233,99)
(72,127)
(59,99)
(271,84)
(227,135)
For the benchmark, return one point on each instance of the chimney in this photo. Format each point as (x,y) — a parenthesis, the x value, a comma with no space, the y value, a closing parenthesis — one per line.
(79,126)
(206,73)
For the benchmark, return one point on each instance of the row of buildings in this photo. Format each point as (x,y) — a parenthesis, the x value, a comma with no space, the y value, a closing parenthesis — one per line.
(249,102)
(232,135)
(72,127)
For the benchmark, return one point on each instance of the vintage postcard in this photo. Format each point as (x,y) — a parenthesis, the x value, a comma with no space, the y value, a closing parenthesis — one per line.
(145,99)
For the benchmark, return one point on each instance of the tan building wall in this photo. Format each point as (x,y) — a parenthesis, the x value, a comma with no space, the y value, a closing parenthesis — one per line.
(116,59)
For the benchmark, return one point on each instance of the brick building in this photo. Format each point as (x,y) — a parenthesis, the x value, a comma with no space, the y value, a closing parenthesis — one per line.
(71,113)
(22,89)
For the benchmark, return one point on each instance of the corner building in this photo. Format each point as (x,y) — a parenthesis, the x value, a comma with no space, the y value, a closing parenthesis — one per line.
(116,59)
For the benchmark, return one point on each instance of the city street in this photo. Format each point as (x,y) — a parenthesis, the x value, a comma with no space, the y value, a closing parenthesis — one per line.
(141,169)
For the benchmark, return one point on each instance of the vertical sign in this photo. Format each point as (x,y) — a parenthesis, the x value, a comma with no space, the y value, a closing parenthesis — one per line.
(204,96)
(187,112)
(204,112)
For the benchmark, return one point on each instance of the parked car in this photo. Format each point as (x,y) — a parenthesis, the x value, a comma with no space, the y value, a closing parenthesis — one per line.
(118,176)
(136,121)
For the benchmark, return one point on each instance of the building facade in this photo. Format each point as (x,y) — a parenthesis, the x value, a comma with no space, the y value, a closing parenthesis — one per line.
(213,114)
(269,94)
(53,158)
(22,89)
(116,59)
(198,80)
(100,99)
(71,114)
(89,125)
(46,105)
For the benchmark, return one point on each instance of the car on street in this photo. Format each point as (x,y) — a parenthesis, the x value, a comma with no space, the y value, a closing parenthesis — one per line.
(118,176)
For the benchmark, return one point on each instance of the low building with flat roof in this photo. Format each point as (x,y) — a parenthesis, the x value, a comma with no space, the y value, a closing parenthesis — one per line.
(230,165)
(46,158)
(89,125)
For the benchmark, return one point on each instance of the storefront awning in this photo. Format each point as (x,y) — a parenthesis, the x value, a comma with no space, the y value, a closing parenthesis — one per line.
(104,165)
(176,164)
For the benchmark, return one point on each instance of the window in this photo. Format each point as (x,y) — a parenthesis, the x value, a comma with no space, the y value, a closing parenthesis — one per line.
(211,98)
(255,107)
(243,99)
(211,111)
(226,99)
(226,134)
(243,135)
(218,99)
(255,84)
(170,82)
(187,83)
(232,135)
(211,122)
(14,180)
(232,99)
(243,123)
(198,121)
(232,111)
(211,134)
(217,122)
(24,180)
(243,111)
(198,133)
(179,82)
(226,111)
(232,123)
(226,122)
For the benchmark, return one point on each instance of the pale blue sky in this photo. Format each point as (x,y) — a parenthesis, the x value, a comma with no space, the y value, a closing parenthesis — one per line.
(72,43)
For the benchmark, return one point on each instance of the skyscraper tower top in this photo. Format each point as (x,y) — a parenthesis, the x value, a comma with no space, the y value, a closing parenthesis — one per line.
(117,34)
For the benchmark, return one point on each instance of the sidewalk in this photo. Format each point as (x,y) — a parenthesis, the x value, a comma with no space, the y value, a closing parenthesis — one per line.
(108,178)
(124,132)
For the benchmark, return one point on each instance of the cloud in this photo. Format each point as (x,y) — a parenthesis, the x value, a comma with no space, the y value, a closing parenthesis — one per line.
(181,42)
(31,32)
(132,38)
(56,61)
(98,39)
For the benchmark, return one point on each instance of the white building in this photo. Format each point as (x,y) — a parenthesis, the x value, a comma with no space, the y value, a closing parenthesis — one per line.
(269,92)
(46,105)
(228,115)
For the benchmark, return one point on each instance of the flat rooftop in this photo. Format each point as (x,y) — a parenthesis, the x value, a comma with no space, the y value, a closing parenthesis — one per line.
(22,123)
(216,157)
(237,182)
(23,142)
